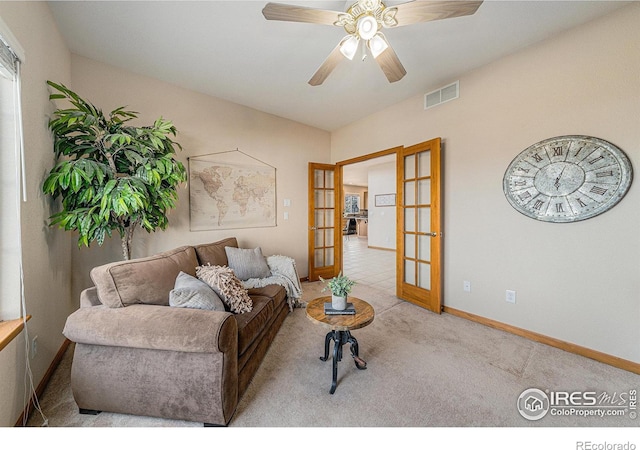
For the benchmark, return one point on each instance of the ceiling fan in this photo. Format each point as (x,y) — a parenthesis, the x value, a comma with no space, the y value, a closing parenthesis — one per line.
(363,21)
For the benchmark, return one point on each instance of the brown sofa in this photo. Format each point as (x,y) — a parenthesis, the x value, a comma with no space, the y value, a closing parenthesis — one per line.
(135,354)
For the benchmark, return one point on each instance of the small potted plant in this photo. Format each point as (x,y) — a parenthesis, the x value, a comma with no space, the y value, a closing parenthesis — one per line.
(340,287)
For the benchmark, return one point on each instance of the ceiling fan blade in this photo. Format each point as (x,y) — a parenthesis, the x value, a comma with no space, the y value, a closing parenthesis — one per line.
(292,13)
(426,11)
(391,65)
(327,67)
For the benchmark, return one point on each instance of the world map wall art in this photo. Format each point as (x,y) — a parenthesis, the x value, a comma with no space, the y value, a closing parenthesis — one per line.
(231,190)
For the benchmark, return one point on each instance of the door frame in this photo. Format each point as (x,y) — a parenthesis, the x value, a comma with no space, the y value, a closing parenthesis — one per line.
(340,188)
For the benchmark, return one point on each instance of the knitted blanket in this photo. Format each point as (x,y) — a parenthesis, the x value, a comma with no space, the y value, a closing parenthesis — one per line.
(283,272)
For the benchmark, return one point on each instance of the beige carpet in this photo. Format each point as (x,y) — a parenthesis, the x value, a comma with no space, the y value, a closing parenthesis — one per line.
(424,370)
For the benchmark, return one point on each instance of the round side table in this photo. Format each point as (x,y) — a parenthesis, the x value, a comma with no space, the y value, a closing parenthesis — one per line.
(341,326)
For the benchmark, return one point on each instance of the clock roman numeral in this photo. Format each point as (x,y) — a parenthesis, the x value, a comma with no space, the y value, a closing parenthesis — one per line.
(578,151)
(598,190)
(520,183)
(581,203)
(524,196)
(608,173)
(559,208)
(595,160)
(522,169)
(557,151)
(537,157)
(538,204)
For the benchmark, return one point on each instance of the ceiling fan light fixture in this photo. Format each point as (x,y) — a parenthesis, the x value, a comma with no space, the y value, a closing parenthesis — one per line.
(349,47)
(378,44)
(367,27)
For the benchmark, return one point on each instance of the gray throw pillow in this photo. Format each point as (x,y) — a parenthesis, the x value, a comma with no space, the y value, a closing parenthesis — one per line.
(189,292)
(247,263)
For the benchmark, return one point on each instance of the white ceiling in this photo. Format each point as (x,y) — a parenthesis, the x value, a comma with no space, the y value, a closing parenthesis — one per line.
(228,50)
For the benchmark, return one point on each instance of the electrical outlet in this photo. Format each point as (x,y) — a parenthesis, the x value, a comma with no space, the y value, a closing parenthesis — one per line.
(511,296)
(466,285)
(34,347)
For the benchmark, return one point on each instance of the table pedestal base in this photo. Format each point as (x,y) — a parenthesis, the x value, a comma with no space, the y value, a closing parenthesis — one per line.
(340,338)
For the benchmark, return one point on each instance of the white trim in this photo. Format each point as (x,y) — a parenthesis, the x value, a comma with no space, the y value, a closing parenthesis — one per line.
(11,40)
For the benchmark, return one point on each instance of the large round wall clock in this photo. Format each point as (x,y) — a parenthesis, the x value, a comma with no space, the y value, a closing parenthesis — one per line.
(567,179)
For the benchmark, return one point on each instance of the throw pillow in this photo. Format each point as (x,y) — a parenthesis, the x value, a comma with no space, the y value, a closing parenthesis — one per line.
(247,263)
(189,292)
(227,286)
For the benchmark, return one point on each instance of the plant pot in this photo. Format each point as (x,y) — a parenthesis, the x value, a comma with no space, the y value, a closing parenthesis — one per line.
(338,303)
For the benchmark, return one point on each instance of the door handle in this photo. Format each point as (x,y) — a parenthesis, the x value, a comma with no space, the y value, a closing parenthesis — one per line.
(312,228)
(433,234)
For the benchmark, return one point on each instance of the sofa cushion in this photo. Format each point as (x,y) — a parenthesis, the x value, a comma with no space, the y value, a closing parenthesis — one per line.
(143,280)
(277,293)
(214,253)
(228,287)
(247,262)
(251,324)
(189,292)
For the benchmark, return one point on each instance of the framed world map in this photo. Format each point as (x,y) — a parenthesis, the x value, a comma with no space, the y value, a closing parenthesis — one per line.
(231,190)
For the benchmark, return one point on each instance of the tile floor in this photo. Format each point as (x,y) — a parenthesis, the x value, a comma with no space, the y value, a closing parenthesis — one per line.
(376,268)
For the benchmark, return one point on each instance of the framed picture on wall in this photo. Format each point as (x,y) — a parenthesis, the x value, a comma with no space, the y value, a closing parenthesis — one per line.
(385,200)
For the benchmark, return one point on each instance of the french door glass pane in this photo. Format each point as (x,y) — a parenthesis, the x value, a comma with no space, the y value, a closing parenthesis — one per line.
(424,248)
(318,260)
(409,193)
(328,237)
(328,179)
(424,164)
(424,275)
(410,272)
(424,219)
(319,198)
(319,213)
(424,191)
(319,242)
(410,219)
(329,215)
(410,245)
(318,177)
(409,166)
(330,199)
(329,256)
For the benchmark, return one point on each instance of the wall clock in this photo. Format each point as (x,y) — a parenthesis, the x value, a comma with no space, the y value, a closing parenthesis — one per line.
(567,179)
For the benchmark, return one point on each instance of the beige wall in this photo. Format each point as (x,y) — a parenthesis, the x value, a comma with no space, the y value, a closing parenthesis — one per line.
(46,252)
(208,125)
(382,219)
(576,282)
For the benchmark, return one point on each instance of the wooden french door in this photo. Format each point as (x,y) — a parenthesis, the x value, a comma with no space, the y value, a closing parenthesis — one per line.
(325,241)
(418,234)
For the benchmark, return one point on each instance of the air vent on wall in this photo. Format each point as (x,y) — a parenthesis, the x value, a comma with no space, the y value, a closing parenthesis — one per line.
(442,95)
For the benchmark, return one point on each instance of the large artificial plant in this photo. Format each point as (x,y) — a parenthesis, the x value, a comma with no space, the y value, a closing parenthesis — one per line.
(110,175)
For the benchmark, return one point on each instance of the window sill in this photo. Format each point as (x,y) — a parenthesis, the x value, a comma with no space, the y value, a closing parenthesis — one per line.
(10,329)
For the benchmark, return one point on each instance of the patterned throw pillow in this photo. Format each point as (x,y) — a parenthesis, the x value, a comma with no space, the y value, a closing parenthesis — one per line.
(189,292)
(225,283)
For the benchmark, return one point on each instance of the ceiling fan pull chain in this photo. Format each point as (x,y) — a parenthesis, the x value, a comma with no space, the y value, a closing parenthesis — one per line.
(364,50)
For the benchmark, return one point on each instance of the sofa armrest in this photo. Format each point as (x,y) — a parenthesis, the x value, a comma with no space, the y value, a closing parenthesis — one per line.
(154,327)
(89,297)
